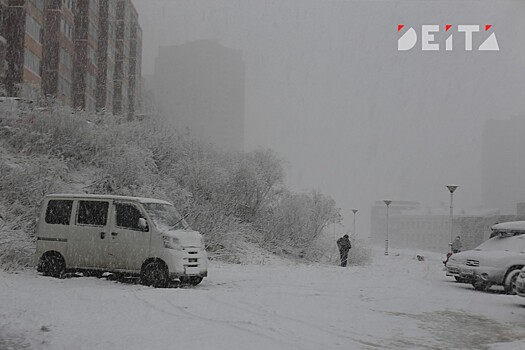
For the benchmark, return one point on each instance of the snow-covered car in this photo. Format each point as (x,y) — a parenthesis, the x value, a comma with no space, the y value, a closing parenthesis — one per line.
(497,261)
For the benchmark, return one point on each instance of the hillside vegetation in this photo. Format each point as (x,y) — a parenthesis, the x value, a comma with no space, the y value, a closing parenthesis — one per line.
(229,197)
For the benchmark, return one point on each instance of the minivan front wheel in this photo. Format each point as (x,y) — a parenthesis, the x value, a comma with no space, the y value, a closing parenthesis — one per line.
(155,274)
(52,265)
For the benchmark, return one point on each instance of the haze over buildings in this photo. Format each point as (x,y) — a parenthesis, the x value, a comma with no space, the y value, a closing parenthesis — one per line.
(199,86)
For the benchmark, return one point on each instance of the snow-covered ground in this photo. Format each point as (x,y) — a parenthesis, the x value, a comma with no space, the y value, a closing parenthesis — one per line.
(397,302)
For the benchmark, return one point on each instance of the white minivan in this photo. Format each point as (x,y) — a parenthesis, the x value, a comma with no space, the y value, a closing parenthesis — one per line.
(129,235)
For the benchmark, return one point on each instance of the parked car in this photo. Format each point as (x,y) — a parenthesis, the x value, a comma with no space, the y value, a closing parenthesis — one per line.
(136,236)
(497,261)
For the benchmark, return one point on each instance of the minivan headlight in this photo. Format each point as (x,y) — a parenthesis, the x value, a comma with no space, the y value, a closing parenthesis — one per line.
(171,242)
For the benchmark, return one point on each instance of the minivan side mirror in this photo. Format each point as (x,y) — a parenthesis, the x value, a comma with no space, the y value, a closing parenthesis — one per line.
(143,224)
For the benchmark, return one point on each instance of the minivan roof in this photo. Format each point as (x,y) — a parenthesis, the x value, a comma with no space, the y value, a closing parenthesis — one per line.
(509,226)
(107,196)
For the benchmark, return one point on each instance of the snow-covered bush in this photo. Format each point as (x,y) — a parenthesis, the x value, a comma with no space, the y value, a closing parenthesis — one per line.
(24,182)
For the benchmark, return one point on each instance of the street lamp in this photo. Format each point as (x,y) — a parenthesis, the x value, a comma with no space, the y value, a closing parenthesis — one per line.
(387,202)
(354,211)
(451,189)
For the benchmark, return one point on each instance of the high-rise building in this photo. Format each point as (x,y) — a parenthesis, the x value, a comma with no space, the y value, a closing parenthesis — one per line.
(125,13)
(85,53)
(503,164)
(86,45)
(200,86)
(25,21)
(59,49)
(3,41)
(107,35)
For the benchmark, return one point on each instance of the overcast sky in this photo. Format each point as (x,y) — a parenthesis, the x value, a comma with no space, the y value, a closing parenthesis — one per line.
(328,90)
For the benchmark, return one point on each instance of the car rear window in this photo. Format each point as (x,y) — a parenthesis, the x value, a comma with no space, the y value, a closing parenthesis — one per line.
(92,213)
(58,212)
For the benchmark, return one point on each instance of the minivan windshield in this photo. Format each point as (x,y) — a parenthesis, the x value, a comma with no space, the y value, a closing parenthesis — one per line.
(165,216)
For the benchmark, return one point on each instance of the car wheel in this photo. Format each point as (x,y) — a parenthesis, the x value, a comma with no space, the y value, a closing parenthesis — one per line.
(155,274)
(510,282)
(52,265)
(482,286)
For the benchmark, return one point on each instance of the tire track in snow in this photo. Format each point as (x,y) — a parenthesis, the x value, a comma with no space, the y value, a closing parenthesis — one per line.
(234,324)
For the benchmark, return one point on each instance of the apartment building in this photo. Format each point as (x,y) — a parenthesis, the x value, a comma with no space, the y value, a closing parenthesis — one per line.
(3,40)
(59,49)
(25,22)
(107,37)
(85,53)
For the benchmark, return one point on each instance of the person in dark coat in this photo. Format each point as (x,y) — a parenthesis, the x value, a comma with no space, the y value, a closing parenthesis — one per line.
(344,246)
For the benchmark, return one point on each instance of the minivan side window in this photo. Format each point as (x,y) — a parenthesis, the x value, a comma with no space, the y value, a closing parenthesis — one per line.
(127,216)
(58,212)
(92,213)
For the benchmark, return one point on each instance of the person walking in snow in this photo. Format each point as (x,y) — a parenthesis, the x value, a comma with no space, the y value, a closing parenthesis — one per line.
(456,245)
(344,246)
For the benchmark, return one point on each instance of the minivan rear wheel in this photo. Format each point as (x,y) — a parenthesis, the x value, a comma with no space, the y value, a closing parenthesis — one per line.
(155,274)
(52,264)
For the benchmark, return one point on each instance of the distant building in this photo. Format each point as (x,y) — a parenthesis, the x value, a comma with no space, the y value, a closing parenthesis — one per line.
(85,53)
(411,226)
(200,86)
(503,164)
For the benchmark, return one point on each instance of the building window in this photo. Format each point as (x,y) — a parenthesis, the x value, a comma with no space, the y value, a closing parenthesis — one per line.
(66,59)
(33,28)
(68,4)
(64,86)
(91,55)
(66,29)
(32,62)
(92,29)
(39,4)
(93,6)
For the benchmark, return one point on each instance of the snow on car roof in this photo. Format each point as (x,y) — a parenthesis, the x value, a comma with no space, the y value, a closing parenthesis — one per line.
(510,226)
(107,196)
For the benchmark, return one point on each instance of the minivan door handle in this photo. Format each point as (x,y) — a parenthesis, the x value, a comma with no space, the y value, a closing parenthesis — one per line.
(114,233)
(102,235)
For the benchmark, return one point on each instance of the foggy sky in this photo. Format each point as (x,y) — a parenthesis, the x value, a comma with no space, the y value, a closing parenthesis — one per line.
(328,90)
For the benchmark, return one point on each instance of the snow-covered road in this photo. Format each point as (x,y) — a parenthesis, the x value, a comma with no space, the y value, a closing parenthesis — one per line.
(396,302)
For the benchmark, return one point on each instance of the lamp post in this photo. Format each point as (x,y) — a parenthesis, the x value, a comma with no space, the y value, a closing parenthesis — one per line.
(387,202)
(451,189)
(354,211)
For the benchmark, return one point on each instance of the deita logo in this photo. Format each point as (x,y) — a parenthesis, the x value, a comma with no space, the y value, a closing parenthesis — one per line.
(409,37)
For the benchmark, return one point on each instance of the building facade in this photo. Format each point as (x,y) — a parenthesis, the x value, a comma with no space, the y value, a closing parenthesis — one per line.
(413,227)
(59,49)
(24,34)
(84,53)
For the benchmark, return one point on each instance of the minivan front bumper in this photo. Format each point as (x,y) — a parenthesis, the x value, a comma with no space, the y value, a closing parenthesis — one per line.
(189,261)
